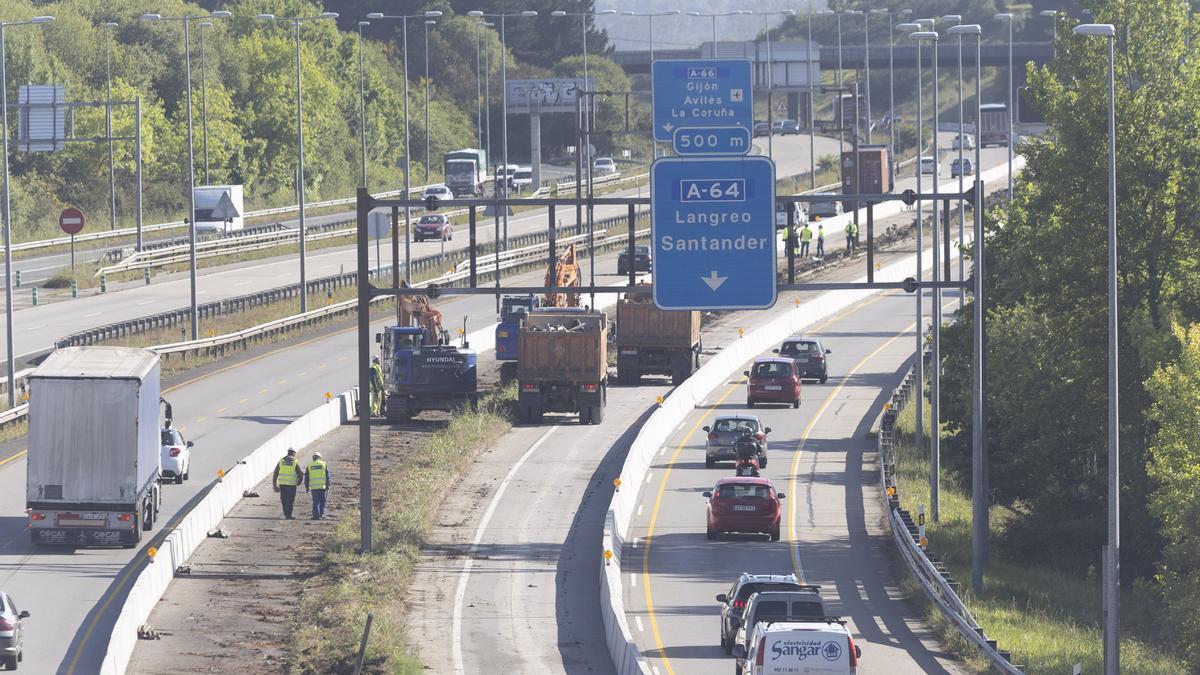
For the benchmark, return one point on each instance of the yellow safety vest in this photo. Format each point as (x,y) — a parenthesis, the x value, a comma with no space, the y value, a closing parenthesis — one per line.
(376,376)
(806,234)
(289,472)
(318,478)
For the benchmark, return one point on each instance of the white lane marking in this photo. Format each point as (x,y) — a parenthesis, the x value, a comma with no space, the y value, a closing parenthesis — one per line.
(88,316)
(640,510)
(460,593)
(37,327)
(649,475)
(147,302)
(638,621)
(632,580)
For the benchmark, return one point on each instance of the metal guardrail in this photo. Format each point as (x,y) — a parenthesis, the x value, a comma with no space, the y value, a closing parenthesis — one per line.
(939,586)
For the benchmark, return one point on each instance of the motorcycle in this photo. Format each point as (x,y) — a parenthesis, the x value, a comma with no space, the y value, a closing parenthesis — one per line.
(748,451)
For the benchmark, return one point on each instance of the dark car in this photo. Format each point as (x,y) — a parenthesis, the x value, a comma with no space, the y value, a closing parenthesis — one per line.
(762,129)
(777,606)
(791,127)
(734,602)
(433,226)
(745,505)
(642,261)
(966,168)
(809,355)
(12,638)
(831,208)
(724,434)
(773,380)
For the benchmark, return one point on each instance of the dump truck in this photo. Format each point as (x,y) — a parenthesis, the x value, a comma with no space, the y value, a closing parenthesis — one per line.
(421,374)
(513,310)
(93,466)
(653,341)
(563,365)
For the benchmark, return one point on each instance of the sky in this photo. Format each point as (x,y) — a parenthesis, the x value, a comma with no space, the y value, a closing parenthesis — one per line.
(682,31)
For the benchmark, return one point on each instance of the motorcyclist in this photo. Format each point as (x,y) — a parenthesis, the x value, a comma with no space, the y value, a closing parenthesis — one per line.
(748,451)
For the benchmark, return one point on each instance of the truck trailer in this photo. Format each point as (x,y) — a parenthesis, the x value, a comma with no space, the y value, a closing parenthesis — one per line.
(93,461)
(219,208)
(465,171)
(653,341)
(563,365)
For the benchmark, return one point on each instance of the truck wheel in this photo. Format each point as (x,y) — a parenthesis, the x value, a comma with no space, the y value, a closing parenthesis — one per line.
(508,372)
(597,415)
(179,478)
(474,399)
(585,414)
(147,517)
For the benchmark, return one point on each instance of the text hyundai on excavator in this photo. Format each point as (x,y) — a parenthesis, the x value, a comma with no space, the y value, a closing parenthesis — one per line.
(421,369)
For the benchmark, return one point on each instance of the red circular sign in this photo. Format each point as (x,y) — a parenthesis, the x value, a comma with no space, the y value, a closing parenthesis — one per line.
(71,220)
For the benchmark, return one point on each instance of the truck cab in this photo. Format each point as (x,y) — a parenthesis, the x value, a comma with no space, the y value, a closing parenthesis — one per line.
(513,310)
(418,376)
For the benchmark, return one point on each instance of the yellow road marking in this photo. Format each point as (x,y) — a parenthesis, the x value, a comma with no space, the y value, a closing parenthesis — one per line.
(662,486)
(262,391)
(200,419)
(14,457)
(221,410)
(243,400)
(302,374)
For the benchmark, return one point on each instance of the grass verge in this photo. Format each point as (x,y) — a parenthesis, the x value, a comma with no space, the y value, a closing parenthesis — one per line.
(1046,617)
(335,602)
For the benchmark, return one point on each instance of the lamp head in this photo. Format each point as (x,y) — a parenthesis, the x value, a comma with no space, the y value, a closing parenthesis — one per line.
(220,14)
(1004,16)
(151,17)
(1096,30)
(529,12)
(265,17)
(952,18)
(205,24)
(965,29)
(110,24)
(925,35)
(475,13)
(329,15)
(433,14)
(607,11)
(558,12)
(907,27)
(1048,13)
(375,15)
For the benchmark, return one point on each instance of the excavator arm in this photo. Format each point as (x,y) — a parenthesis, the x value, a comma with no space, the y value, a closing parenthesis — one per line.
(567,277)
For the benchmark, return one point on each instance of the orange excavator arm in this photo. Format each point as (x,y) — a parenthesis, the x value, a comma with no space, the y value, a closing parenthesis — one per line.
(418,310)
(567,277)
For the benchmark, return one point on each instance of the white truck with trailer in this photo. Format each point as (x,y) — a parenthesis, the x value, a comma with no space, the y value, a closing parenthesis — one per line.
(93,463)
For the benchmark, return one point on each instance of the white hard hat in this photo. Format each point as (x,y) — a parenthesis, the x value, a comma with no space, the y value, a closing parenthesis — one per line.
(316,455)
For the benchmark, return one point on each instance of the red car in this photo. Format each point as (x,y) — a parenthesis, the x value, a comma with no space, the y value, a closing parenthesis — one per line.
(433,226)
(773,380)
(744,504)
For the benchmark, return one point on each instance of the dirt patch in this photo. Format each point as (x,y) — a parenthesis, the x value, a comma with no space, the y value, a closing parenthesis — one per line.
(232,610)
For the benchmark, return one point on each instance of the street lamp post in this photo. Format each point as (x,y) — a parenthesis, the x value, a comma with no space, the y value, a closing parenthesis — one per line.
(920,327)
(503,104)
(1112,577)
(650,18)
(954,20)
(979,512)
(428,23)
(362,108)
(935,360)
(296,21)
(478,90)
(374,16)
(112,175)
(1008,16)
(187,20)
(8,272)
(1053,16)
(892,85)
(204,98)
(812,122)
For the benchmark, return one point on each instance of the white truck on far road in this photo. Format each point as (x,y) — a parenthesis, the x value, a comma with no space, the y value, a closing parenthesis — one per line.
(219,208)
(93,467)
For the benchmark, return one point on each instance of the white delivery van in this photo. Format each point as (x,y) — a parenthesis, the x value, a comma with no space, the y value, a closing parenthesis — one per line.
(219,208)
(808,647)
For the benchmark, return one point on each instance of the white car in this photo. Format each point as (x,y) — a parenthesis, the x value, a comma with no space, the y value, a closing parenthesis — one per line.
(176,455)
(439,191)
(966,141)
(928,165)
(603,166)
(522,178)
(821,647)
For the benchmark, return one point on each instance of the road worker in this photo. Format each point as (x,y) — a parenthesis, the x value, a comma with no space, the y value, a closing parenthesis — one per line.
(805,237)
(316,481)
(287,476)
(376,388)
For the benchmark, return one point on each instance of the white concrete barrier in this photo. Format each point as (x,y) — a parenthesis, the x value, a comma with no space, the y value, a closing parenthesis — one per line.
(182,541)
(626,655)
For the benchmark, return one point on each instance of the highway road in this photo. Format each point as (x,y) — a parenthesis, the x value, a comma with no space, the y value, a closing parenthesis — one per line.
(227,410)
(37,328)
(833,530)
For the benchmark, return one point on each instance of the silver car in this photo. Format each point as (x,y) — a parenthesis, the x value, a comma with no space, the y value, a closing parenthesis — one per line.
(724,434)
(11,638)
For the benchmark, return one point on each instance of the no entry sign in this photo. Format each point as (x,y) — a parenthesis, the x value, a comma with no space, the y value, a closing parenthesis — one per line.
(71,221)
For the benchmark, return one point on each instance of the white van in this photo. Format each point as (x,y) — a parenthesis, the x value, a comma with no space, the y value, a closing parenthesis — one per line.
(810,647)
(928,165)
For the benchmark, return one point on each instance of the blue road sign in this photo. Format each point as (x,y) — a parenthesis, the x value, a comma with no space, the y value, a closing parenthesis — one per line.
(713,225)
(692,141)
(701,92)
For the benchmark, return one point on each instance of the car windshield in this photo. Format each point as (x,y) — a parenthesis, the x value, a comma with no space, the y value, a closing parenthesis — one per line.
(523,174)
(743,491)
(777,610)
(641,250)
(170,437)
(800,348)
(771,369)
(737,426)
(425,220)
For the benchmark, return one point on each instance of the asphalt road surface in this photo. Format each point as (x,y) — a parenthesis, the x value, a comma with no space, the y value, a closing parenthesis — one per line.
(833,530)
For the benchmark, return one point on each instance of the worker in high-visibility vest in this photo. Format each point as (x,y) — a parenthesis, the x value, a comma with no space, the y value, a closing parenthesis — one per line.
(820,240)
(851,236)
(316,481)
(805,237)
(285,479)
(376,387)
